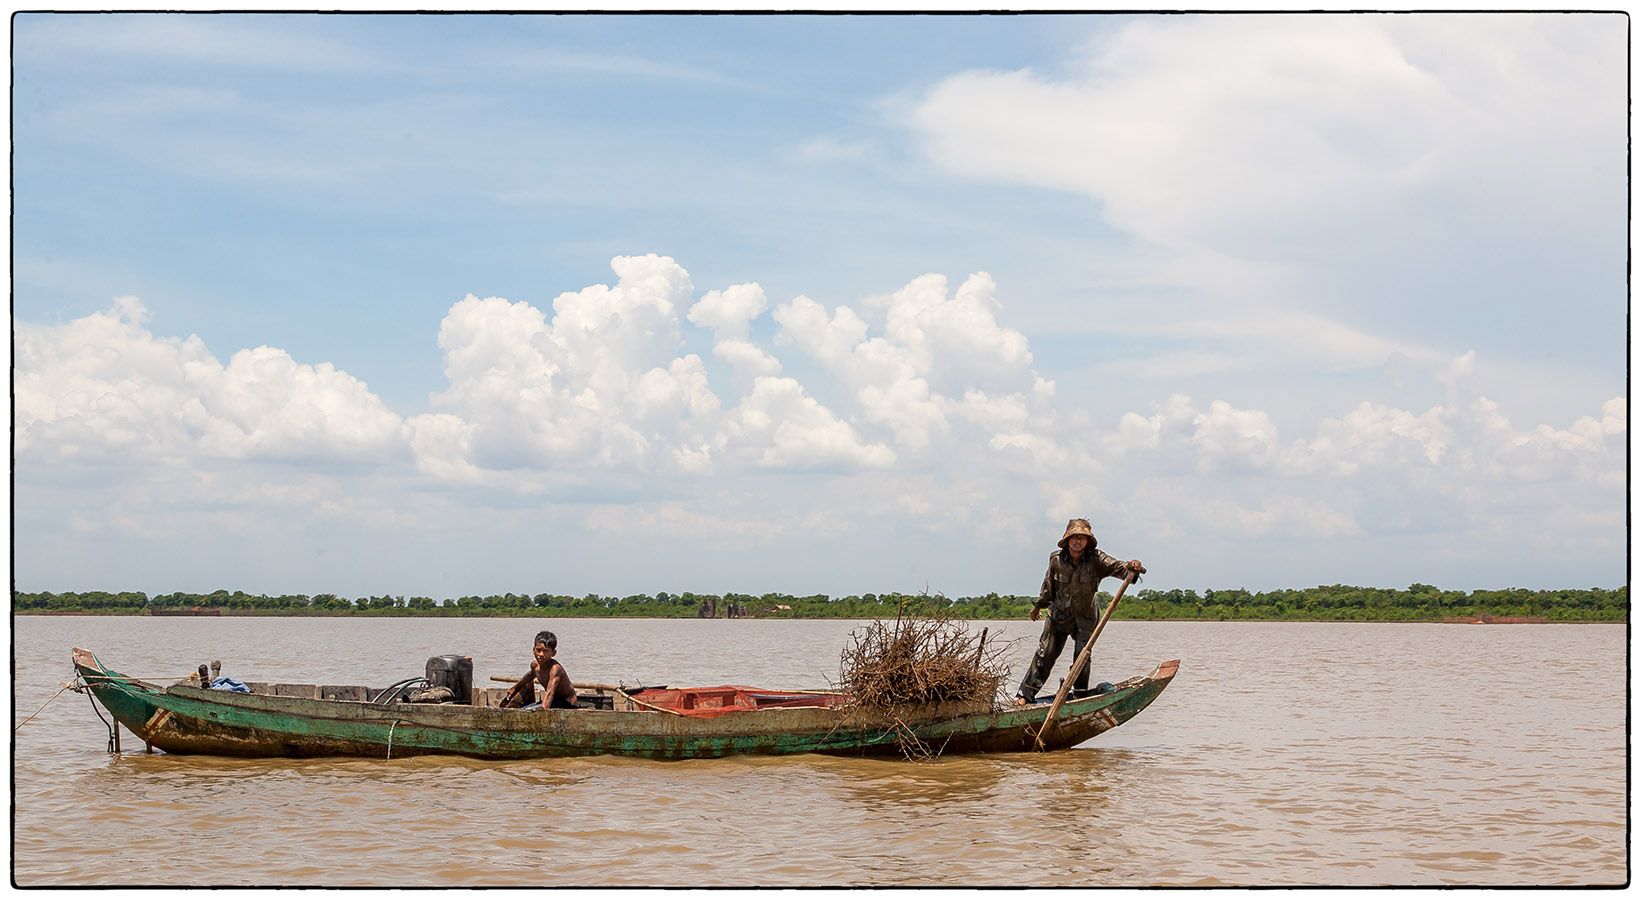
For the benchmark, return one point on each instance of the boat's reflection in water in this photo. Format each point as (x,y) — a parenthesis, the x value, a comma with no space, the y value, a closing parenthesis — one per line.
(975,778)
(878,784)
(1027,806)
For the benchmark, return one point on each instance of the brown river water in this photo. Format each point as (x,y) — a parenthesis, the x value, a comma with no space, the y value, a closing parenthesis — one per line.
(1282,754)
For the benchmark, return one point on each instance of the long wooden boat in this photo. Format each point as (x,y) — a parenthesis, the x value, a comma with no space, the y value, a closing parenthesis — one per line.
(283,720)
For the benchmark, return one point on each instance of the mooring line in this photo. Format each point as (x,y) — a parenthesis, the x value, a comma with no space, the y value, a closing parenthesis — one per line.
(66,685)
(390,738)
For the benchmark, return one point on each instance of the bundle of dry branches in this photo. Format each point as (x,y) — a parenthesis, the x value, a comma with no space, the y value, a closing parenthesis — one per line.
(919,660)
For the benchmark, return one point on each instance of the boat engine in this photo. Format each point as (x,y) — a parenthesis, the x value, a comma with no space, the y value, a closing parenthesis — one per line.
(452,672)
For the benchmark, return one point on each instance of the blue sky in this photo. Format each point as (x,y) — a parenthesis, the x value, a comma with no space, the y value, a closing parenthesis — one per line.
(1274,300)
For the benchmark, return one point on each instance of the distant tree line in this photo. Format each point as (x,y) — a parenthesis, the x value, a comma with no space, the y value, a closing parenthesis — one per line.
(1327,603)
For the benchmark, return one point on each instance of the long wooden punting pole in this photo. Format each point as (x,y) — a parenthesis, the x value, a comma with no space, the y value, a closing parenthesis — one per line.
(1082,660)
(589,685)
(598,686)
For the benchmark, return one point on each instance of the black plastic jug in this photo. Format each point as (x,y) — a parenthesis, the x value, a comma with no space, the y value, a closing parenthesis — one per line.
(453,672)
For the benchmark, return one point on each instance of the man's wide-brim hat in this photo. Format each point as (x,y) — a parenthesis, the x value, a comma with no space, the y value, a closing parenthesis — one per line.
(1076,527)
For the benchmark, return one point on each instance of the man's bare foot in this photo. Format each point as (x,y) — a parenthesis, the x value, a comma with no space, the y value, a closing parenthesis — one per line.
(1019,701)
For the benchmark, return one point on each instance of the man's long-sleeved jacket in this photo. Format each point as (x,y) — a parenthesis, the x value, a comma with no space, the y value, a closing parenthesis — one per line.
(1069,588)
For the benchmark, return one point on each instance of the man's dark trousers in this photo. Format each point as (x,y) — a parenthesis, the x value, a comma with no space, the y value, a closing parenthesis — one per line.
(1048,651)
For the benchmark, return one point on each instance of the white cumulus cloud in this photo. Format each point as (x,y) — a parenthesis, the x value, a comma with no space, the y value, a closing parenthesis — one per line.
(729,311)
(942,359)
(104,388)
(600,384)
(779,425)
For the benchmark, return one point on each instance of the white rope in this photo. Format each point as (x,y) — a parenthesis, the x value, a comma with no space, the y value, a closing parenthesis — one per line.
(390,738)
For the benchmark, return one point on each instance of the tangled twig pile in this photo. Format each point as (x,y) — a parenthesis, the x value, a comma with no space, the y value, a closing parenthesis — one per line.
(921,660)
(915,661)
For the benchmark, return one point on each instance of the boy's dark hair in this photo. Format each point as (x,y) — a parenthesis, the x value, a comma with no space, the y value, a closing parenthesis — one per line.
(548,638)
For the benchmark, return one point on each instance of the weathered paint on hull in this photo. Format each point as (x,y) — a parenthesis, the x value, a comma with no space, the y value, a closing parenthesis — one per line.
(182,719)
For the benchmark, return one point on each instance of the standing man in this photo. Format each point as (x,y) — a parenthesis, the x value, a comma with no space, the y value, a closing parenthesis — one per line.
(1069,592)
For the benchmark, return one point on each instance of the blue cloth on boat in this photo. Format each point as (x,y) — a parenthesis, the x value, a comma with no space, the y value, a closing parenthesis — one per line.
(225,683)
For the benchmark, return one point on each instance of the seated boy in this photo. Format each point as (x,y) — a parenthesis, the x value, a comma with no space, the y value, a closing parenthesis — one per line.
(560,693)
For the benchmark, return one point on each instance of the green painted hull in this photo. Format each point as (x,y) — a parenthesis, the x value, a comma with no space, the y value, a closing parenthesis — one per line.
(186,719)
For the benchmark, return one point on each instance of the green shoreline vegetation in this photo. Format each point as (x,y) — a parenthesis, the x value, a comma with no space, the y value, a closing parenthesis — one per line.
(1328,603)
